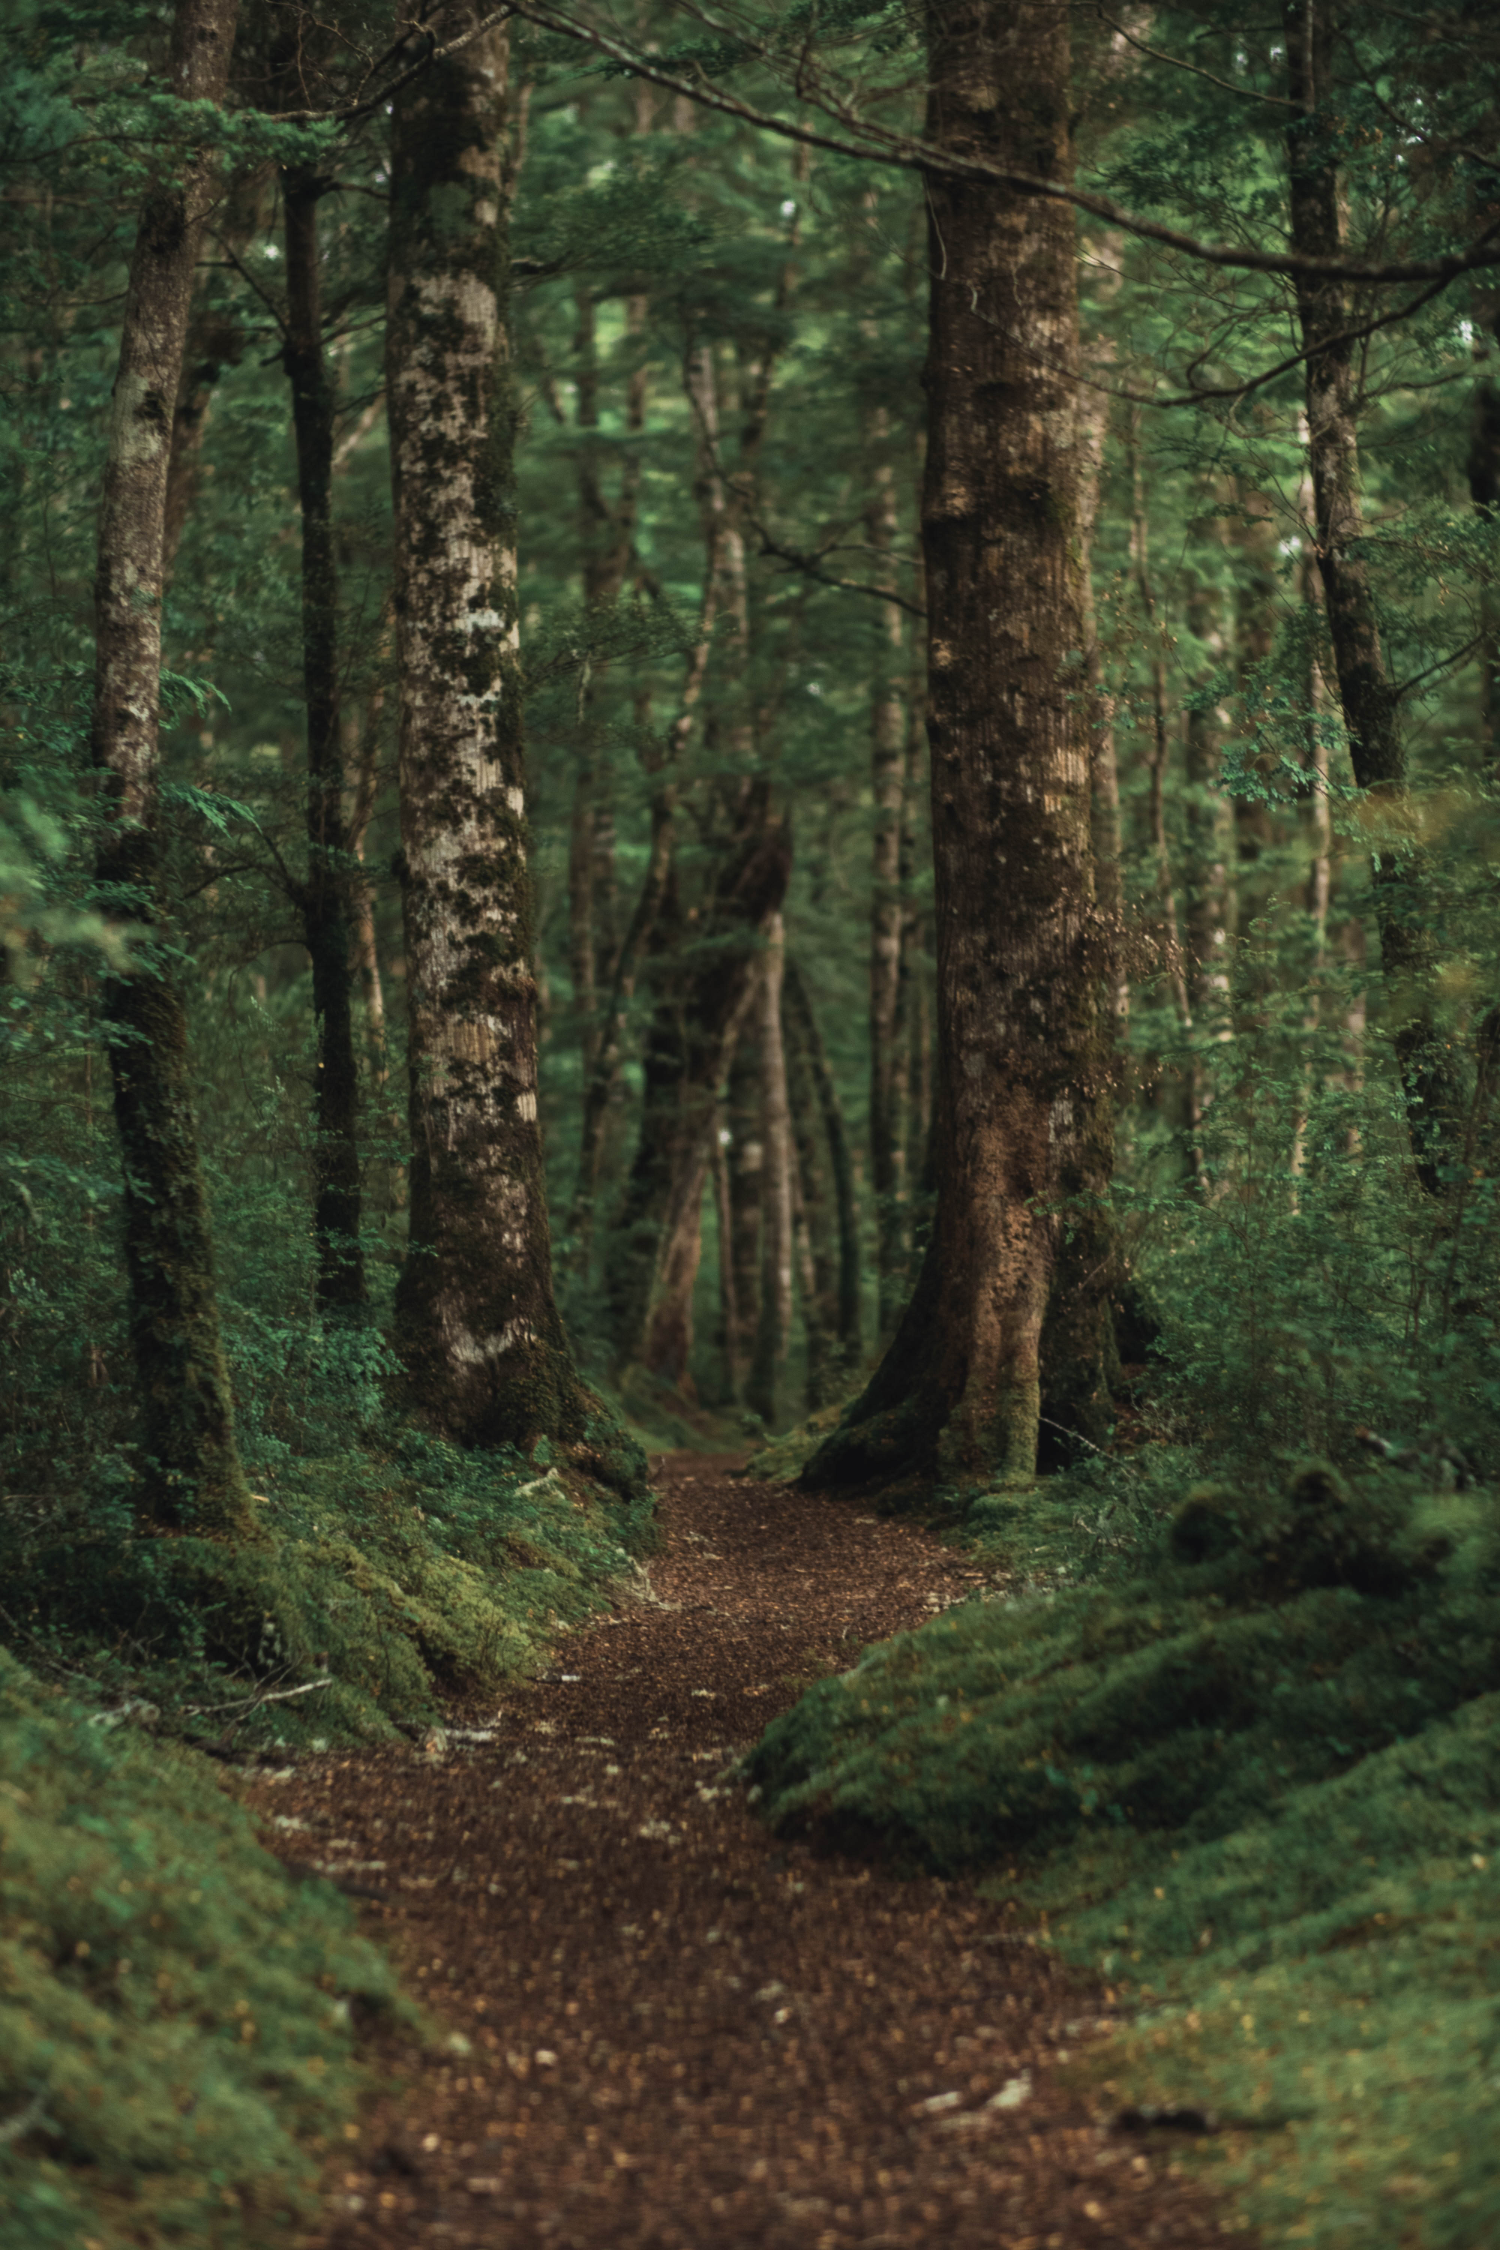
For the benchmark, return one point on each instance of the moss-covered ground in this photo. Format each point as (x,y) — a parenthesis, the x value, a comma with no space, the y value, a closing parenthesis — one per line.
(1245,1766)
(386,1575)
(177,2017)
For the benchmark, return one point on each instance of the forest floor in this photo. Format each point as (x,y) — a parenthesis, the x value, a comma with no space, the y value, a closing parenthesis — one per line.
(670,2029)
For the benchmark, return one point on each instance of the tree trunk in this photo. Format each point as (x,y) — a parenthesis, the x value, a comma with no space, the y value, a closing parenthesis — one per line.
(834,1232)
(773,1334)
(1106,835)
(324,901)
(1208,899)
(887,917)
(477,1328)
(1367,696)
(1484,490)
(187,1422)
(1023,1116)
(708,984)
(741,1240)
(607,1048)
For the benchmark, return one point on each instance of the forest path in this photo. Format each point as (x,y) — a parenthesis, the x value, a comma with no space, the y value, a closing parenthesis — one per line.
(684,2034)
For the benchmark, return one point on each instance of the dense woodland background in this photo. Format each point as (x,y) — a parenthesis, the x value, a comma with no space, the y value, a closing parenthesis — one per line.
(718,241)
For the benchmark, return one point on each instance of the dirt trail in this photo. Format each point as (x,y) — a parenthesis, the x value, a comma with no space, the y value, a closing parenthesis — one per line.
(683,2034)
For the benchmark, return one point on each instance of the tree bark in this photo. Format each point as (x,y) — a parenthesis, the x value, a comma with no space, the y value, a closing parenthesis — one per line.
(1367,695)
(607,1049)
(842,1320)
(708,968)
(1023,1118)
(187,1422)
(1484,490)
(773,1335)
(1106,834)
(324,900)
(477,1328)
(887,914)
(740,1241)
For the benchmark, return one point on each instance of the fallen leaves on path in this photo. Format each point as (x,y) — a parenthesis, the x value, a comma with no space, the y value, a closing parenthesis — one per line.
(670,2031)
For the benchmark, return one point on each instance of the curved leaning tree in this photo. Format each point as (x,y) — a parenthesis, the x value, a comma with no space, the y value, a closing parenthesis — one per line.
(486,1359)
(1023,1125)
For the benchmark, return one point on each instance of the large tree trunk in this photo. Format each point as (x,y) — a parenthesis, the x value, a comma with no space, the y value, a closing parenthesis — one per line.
(324,900)
(477,1328)
(1023,1117)
(187,1423)
(1368,697)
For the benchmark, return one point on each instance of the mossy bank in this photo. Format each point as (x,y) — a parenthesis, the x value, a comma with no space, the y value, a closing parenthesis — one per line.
(1247,1776)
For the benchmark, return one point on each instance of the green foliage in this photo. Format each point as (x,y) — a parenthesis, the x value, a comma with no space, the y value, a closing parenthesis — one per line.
(177,2016)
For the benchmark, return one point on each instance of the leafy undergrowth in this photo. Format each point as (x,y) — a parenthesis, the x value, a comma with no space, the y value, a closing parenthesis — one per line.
(384,1577)
(1254,1780)
(177,2018)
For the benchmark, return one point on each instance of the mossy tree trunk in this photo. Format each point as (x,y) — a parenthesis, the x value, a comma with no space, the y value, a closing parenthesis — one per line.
(324,898)
(187,1420)
(479,1335)
(1023,1115)
(1368,697)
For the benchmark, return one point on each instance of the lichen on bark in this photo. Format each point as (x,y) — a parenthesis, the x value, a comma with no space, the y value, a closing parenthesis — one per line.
(483,1347)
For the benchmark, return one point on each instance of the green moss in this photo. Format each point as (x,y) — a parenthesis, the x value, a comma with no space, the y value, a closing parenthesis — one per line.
(393,1574)
(1249,1778)
(175,2013)
(1326,1978)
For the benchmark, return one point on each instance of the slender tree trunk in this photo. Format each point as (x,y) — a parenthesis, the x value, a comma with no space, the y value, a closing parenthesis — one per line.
(1368,698)
(815,1242)
(1106,833)
(1169,936)
(741,1239)
(1320,871)
(1484,489)
(187,1421)
(1208,898)
(608,1049)
(845,1324)
(606,536)
(887,915)
(729,1309)
(774,1331)
(653,1307)
(324,901)
(477,1328)
(651,1295)
(1023,1115)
